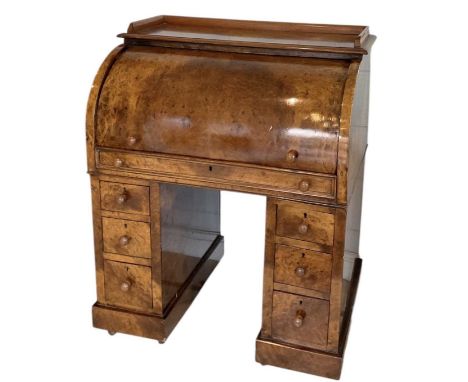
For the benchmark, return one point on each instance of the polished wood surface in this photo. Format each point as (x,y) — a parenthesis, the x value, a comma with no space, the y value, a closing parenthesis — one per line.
(124,197)
(204,172)
(128,285)
(303,222)
(153,325)
(189,224)
(187,107)
(303,268)
(126,237)
(153,95)
(254,34)
(300,320)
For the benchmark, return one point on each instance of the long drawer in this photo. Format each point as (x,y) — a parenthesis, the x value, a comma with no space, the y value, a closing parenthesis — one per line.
(309,184)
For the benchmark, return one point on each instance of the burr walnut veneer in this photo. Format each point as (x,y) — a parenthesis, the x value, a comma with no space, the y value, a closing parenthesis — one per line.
(187,107)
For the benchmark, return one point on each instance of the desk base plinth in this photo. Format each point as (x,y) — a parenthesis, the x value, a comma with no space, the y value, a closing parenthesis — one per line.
(152,326)
(306,360)
(269,352)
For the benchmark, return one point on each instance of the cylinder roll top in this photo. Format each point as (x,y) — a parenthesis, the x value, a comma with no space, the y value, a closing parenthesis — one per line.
(272,111)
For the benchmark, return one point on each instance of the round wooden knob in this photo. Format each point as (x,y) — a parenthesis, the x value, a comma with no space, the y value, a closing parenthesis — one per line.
(118,162)
(304,185)
(125,286)
(303,228)
(131,141)
(122,198)
(299,320)
(292,155)
(300,272)
(124,240)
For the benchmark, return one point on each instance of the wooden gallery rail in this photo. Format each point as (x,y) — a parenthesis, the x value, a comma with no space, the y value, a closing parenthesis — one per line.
(187,107)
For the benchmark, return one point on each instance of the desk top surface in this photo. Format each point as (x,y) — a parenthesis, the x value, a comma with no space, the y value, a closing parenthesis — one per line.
(251,34)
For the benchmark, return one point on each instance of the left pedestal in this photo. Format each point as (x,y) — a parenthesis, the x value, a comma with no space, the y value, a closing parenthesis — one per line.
(155,246)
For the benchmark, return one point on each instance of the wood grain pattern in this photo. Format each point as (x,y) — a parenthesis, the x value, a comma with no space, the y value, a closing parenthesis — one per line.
(268,267)
(345,125)
(337,281)
(138,278)
(190,106)
(312,332)
(125,216)
(122,177)
(135,198)
(316,268)
(259,177)
(301,291)
(152,325)
(208,182)
(137,235)
(98,247)
(127,259)
(273,114)
(156,250)
(92,104)
(304,244)
(299,359)
(319,226)
(274,37)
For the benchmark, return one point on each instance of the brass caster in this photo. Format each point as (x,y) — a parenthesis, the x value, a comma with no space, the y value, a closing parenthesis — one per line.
(111,332)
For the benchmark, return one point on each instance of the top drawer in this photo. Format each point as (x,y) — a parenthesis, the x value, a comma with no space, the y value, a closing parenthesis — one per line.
(125,198)
(298,183)
(306,222)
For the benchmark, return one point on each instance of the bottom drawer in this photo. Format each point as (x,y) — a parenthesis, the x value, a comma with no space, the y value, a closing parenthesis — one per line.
(127,285)
(300,320)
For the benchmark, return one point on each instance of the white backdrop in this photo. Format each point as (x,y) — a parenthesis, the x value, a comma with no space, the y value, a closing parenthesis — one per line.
(410,320)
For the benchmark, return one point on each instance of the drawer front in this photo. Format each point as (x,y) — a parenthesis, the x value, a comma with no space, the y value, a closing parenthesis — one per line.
(300,320)
(124,197)
(303,222)
(126,237)
(128,285)
(267,178)
(303,268)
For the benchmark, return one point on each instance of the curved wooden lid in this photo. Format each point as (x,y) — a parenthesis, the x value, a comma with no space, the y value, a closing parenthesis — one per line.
(274,111)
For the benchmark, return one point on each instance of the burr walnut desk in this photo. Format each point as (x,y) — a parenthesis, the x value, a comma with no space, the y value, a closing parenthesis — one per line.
(187,107)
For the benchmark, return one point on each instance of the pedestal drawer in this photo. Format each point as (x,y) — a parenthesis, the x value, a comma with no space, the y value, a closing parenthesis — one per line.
(124,197)
(306,222)
(300,320)
(303,268)
(127,285)
(126,237)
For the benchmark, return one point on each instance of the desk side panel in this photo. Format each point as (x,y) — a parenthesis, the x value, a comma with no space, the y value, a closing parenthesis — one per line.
(190,223)
(357,153)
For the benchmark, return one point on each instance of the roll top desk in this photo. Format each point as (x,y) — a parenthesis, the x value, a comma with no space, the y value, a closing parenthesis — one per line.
(187,107)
